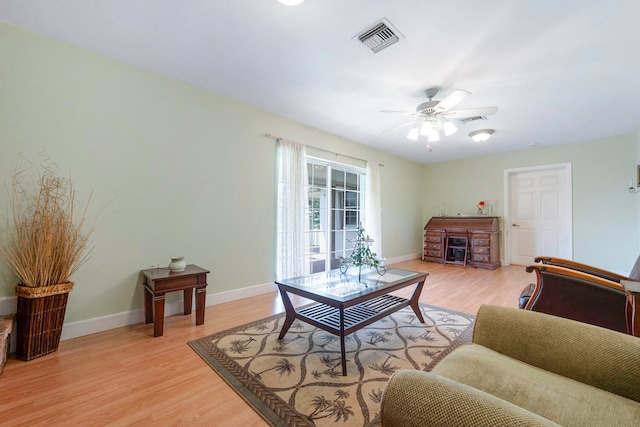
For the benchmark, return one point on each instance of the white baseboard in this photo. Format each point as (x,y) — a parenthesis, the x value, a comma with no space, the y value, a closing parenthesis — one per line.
(402,258)
(112,321)
(8,305)
(81,328)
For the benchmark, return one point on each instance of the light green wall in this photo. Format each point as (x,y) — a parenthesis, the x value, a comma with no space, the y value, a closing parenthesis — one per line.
(605,215)
(177,170)
(174,170)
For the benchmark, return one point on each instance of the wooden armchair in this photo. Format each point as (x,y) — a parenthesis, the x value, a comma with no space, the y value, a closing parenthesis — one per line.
(609,275)
(587,298)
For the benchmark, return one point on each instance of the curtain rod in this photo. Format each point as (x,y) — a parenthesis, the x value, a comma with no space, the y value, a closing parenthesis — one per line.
(268,135)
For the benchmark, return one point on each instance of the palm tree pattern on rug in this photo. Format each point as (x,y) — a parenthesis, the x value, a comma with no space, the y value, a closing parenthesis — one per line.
(299,381)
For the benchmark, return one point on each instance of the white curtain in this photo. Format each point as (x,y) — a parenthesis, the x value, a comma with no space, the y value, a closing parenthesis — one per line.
(291,209)
(373,216)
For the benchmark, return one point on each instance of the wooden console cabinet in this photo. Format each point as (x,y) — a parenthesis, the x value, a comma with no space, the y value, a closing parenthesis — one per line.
(483,236)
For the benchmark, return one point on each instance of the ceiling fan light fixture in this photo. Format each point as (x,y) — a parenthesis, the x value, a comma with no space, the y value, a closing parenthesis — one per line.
(434,135)
(481,135)
(413,134)
(426,127)
(449,128)
(291,2)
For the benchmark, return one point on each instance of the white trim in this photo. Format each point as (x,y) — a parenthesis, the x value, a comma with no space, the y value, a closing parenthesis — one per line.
(402,258)
(355,165)
(506,235)
(81,328)
(236,294)
(118,320)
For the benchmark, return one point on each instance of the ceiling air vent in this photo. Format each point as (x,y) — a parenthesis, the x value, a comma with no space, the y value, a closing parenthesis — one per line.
(380,36)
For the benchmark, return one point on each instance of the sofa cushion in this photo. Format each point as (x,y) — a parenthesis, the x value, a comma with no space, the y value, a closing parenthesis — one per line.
(559,399)
(585,353)
(418,399)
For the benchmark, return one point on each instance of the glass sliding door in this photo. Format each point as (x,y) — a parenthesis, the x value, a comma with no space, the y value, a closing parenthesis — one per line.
(335,211)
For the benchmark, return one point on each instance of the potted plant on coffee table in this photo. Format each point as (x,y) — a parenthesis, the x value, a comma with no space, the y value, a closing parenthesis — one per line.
(46,242)
(362,255)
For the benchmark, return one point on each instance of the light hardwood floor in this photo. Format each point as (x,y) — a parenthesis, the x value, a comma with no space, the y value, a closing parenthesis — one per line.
(127,377)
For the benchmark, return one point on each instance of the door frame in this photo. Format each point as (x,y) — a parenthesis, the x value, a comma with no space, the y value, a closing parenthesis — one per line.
(506,224)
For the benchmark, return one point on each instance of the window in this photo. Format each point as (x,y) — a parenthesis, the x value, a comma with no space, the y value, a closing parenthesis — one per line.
(335,210)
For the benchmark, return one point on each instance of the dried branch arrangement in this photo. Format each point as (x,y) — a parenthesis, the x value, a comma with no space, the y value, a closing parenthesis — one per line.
(49,238)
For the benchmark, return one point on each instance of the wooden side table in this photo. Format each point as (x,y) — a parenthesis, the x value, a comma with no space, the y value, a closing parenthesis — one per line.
(159,281)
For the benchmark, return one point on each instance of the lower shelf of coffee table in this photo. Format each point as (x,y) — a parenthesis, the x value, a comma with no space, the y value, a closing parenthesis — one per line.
(355,317)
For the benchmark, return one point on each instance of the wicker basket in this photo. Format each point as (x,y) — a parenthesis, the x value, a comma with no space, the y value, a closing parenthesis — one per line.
(39,319)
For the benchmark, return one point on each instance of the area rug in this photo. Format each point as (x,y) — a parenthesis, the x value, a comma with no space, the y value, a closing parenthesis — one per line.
(298,381)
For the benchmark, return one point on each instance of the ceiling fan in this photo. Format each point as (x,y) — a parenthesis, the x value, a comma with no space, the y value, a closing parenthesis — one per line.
(433,117)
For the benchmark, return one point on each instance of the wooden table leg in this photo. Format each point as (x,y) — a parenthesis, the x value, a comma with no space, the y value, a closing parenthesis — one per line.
(188,300)
(148,305)
(343,352)
(158,324)
(414,302)
(290,314)
(201,294)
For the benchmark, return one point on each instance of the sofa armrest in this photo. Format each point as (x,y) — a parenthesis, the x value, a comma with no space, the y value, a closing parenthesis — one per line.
(589,354)
(417,398)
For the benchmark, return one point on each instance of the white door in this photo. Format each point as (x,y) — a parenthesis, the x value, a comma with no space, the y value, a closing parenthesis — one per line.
(539,216)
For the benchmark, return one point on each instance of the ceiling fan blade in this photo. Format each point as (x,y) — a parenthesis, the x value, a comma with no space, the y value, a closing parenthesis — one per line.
(401,126)
(398,112)
(451,100)
(471,112)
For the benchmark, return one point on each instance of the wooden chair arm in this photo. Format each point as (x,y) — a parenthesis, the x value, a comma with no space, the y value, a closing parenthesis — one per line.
(583,297)
(567,263)
(574,273)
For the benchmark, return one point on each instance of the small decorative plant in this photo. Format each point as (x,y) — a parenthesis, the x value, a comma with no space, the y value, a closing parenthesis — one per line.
(481,207)
(362,255)
(47,241)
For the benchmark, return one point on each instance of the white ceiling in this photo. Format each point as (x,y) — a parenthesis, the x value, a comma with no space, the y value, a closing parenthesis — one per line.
(560,71)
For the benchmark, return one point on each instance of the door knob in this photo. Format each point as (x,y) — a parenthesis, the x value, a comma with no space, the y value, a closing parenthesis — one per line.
(515,225)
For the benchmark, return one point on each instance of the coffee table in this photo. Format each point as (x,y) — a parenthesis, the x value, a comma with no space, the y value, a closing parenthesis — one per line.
(345,304)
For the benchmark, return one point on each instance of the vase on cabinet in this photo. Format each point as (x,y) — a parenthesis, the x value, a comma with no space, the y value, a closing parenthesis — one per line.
(177,263)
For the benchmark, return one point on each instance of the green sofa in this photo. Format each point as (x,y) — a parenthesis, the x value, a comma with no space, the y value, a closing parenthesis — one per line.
(523,368)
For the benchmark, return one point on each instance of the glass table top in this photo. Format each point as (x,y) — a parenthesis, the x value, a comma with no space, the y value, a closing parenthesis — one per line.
(344,286)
